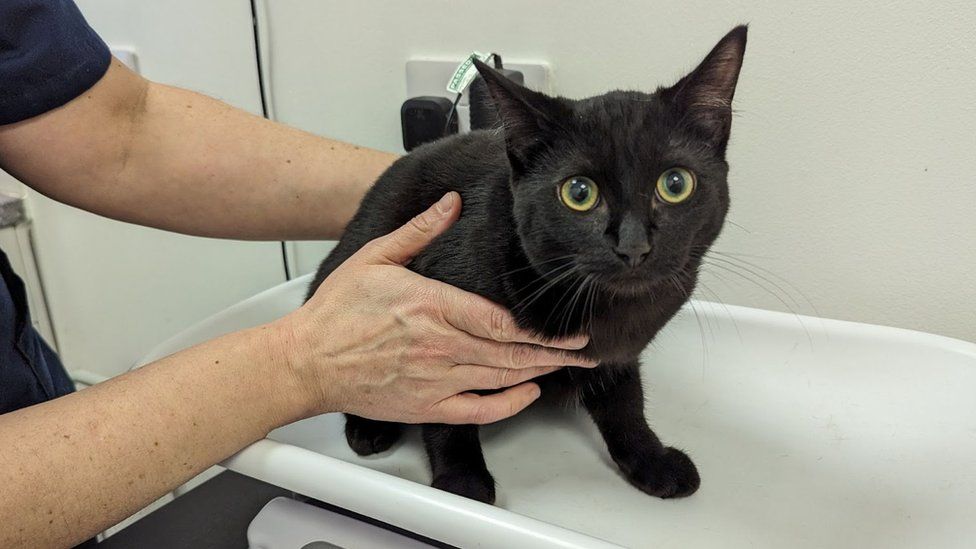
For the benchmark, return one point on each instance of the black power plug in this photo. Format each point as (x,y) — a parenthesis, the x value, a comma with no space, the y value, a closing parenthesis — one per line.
(429,118)
(425,119)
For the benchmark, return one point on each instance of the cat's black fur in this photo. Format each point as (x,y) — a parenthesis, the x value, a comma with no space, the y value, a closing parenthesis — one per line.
(513,230)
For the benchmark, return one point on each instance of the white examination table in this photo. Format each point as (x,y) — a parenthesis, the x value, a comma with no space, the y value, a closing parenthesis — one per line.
(807,433)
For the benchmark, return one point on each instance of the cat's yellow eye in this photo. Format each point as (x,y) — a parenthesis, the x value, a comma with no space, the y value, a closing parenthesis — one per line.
(579,193)
(675,185)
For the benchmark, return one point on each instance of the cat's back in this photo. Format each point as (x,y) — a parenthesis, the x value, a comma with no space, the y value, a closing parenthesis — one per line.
(467,163)
(472,164)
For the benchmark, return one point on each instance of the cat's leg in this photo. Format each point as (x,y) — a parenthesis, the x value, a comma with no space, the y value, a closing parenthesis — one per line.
(615,399)
(456,462)
(368,436)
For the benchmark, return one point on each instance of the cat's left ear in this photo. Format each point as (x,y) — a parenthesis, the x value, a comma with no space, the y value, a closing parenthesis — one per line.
(704,97)
(529,118)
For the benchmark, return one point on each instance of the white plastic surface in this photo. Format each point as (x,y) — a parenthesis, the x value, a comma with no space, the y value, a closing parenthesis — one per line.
(807,433)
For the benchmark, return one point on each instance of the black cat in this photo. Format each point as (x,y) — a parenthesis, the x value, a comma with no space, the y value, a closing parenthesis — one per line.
(584,215)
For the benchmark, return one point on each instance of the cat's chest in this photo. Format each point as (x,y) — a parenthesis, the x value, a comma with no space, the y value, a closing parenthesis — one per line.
(625,327)
(619,327)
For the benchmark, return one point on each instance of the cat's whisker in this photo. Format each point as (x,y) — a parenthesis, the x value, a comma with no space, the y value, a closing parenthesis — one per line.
(591,298)
(737,226)
(691,281)
(554,269)
(706,319)
(532,297)
(556,307)
(730,269)
(572,305)
(676,282)
(566,309)
(585,317)
(543,277)
(747,265)
(713,251)
(536,265)
(717,299)
(538,293)
(548,276)
(588,286)
(794,304)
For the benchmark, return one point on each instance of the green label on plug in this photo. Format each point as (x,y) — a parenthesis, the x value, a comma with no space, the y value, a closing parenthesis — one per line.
(465,72)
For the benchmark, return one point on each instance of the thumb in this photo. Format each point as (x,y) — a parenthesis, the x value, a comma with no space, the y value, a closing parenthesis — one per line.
(402,244)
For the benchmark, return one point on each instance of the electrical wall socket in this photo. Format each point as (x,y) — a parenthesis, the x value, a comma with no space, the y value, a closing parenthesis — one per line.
(430,77)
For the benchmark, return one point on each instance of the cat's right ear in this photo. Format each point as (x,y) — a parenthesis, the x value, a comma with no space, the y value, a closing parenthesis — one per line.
(528,118)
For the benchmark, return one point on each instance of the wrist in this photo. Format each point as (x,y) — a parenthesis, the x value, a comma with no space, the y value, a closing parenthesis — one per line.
(299,374)
(270,364)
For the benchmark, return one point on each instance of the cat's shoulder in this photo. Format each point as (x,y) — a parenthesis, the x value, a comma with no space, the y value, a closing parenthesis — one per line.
(475,152)
(470,163)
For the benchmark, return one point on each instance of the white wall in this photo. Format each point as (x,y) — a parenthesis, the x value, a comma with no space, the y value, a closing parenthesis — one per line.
(115,290)
(852,153)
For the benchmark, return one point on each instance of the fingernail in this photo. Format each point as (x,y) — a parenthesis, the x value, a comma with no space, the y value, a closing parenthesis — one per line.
(445,204)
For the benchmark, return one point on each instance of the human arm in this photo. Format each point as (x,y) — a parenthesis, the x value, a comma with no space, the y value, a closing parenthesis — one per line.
(399,347)
(164,157)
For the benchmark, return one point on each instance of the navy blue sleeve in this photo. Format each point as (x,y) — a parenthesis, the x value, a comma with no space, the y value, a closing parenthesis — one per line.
(48,56)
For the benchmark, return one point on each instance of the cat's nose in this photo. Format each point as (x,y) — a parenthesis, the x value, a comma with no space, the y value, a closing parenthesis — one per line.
(631,243)
(634,254)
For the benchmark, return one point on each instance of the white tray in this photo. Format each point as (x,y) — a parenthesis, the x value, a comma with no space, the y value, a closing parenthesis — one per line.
(807,433)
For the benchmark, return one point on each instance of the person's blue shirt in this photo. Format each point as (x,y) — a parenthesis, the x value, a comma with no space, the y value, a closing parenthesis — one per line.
(48,56)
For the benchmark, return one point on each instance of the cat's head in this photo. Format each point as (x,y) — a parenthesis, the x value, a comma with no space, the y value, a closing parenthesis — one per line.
(631,186)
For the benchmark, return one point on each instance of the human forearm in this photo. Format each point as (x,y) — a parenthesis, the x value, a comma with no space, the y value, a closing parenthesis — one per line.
(228,173)
(177,160)
(78,464)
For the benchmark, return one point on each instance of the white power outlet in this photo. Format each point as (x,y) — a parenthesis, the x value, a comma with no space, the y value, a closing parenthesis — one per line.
(430,77)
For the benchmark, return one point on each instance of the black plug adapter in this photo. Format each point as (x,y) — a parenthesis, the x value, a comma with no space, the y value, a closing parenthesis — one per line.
(482,112)
(424,119)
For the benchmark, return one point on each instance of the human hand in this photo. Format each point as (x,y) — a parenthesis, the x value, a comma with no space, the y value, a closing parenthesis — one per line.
(380,341)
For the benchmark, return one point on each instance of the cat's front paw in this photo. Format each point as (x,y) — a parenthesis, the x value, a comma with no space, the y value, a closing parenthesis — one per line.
(367,437)
(472,485)
(670,474)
